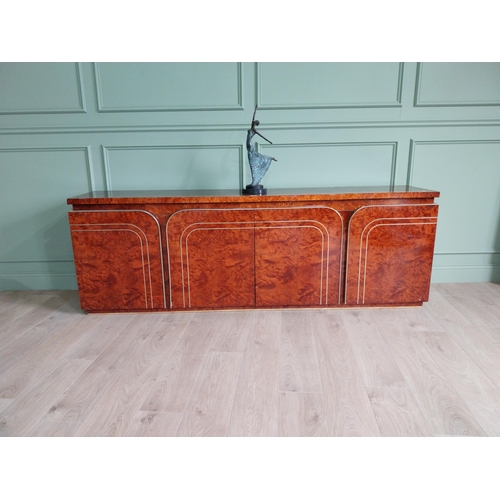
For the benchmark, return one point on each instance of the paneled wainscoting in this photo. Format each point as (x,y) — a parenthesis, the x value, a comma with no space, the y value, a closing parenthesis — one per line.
(429,371)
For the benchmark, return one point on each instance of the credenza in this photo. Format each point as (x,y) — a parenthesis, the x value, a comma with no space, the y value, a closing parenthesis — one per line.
(202,250)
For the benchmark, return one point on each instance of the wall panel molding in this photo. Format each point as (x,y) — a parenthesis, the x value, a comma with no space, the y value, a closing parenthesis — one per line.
(37,253)
(436,125)
(312,145)
(414,144)
(328,105)
(81,108)
(452,267)
(38,275)
(37,267)
(465,274)
(105,108)
(238,148)
(235,127)
(85,149)
(468,238)
(481,252)
(419,102)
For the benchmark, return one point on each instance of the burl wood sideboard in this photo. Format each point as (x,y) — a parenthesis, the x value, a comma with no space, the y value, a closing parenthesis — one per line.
(195,250)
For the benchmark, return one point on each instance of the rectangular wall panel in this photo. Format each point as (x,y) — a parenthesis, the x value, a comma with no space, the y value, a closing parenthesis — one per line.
(345,164)
(458,84)
(41,88)
(168,86)
(173,167)
(467,173)
(34,185)
(305,85)
(184,125)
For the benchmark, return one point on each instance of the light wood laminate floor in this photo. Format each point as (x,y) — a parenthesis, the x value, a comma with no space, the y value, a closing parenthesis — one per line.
(429,371)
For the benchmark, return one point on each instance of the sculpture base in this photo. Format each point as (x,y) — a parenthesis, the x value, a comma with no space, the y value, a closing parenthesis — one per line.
(258,190)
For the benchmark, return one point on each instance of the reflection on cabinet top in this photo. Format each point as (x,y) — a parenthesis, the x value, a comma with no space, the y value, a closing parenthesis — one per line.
(235,196)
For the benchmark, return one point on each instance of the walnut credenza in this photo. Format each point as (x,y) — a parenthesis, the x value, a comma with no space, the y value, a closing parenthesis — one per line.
(193,250)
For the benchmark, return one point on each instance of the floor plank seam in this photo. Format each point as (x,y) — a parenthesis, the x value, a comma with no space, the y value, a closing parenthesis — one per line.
(450,382)
(322,393)
(356,360)
(426,371)
(195,381)
(236,391)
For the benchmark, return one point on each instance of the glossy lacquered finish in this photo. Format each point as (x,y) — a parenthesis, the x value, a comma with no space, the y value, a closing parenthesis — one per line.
(211,259)
(235,195)
(389,254)
(298,252)
(118,260)
(338,247)
(260,257)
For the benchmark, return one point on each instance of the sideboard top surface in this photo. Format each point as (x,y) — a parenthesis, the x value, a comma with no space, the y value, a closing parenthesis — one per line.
(235,195)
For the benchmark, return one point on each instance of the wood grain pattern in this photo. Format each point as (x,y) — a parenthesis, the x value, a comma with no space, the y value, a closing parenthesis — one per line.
(302,415)
(440,404)
(397,412)
(41,359)
(25,410)
(285,274)
(232,330)
(376,365)
(486,298)
(67,318)
(53,428)
(490,290)
(209,408)
(472,309)
(79,400)
(348,410)
(472,339)
(390,252)
(234,195)
(299,370)
(219,268)
(15,303)
(177,375)
(218,373)
(4,402)
(138,251)
(478,392)
(118,259)
(297,256)
(124,394)
(245,258)
(12,329)
(211,258)
(256,404)
(419,320)
(154,424)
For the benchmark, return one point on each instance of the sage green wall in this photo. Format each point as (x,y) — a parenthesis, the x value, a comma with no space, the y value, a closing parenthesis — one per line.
(69,128)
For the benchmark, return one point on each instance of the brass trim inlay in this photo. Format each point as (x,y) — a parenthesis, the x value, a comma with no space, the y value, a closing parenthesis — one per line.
(364,207)
(257,224)
(147,241)
(142,251)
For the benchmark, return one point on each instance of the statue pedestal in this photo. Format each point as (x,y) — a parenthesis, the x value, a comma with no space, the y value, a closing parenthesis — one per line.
(258,190)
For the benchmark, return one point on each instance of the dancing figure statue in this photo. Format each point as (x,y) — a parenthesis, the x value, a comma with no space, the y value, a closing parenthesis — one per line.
(259,163)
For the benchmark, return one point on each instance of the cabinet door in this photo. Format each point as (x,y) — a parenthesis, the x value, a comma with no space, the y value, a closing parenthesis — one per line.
(389,254)
(118,260)
(298,256)
(211,258)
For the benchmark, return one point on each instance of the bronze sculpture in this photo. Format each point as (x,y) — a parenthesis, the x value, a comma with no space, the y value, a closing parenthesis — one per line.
(259,163)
